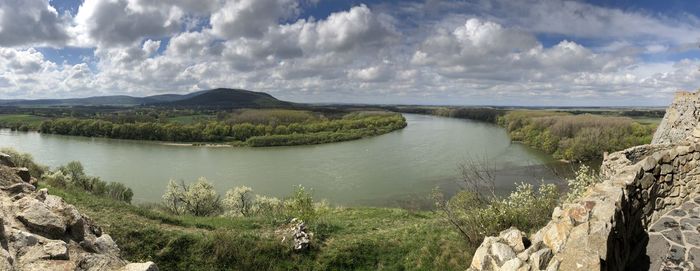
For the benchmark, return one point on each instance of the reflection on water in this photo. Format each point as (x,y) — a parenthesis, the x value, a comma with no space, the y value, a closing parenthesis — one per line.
(389,170)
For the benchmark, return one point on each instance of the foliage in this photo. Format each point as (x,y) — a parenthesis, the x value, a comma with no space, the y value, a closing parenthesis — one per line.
(197,199)
(239,201)
(575,137)
(476,211)
(345,238)
(584,178)
(525,208)
(25,160)
(269,128)
(73,175)
(480,114)
(301,205)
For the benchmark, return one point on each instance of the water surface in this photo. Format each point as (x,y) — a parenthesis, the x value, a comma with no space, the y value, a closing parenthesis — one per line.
(386,170)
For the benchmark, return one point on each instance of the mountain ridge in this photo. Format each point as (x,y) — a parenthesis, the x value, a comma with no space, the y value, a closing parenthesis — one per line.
(218,97)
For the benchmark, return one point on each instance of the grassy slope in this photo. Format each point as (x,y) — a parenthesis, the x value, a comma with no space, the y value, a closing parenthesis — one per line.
(345,239)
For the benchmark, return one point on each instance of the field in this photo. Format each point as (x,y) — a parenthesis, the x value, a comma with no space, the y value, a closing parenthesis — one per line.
(21,122)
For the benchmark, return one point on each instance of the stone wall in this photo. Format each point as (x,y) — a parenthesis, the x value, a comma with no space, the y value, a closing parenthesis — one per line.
(681,118)
(39,231)
(607,228)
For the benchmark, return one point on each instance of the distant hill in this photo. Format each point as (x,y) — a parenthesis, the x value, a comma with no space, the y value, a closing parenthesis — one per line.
(215,98)
(229,98)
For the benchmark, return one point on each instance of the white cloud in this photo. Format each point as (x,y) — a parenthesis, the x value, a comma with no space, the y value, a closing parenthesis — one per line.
(250,18)
(30,22)
(122,22)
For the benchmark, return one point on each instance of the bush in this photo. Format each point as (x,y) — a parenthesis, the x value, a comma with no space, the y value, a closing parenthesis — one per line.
(119,191)
(238,201)
(197,199)
(301,205)
(73,174)
(525,208)
(585,177)
(25,160)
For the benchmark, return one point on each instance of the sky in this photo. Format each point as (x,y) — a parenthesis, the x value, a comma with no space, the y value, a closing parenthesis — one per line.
(483,52)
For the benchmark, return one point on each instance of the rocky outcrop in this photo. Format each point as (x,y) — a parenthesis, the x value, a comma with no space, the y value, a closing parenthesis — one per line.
(622,223)
(39,231)
(681,118)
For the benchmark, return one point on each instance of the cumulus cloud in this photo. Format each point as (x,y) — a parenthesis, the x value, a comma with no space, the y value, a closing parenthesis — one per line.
(250,18)
(432,52)
(30,22)
(120,22)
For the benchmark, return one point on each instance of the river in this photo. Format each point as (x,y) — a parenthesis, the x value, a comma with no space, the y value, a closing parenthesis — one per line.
(395,169)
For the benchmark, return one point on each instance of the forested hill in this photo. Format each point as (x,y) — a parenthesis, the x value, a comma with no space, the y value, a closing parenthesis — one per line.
(219,98)
(229,98)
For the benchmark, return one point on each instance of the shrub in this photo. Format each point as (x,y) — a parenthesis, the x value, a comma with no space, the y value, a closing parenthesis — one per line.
(585,177)
(56,179)
(119,191)
(25,160)
(525,208)
(301,205)
(238,201)
(73,174)
(197,199)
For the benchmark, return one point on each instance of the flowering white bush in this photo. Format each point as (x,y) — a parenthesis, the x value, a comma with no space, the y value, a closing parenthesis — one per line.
(238,201)
(585,177)
(198,199)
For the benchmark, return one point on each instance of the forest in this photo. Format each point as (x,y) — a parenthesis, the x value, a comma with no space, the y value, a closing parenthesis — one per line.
(581,137)
(250,127)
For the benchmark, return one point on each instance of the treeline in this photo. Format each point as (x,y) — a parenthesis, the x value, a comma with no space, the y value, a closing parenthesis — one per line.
(217,131)
(484,114)
(575,137)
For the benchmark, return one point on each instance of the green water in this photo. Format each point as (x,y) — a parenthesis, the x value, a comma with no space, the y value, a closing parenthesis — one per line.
(387,170)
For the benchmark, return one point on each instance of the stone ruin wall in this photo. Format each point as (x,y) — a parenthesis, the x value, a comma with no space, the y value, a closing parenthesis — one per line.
(681,118)
(608,227)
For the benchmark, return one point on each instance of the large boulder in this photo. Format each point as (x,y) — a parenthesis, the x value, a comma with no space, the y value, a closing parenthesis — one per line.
(39,231)
(40,219)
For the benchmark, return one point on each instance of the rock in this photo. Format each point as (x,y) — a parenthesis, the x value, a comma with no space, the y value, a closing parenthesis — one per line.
(481,257)
(56,250)
(502,252)
(648,163)
(555,235)
(302,239)
(23,173)
(647,180)
(18,188)
(104,244)
(6,160)
(147,266)
(511,265)
(99,262)
(39,219)
(666,169)
(515,239)
(540,259)
(41,195)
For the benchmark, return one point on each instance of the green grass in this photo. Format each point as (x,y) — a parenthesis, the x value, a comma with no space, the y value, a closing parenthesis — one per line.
(20,121)
(344,239)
